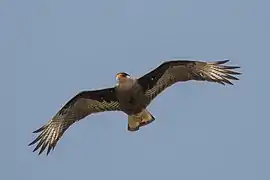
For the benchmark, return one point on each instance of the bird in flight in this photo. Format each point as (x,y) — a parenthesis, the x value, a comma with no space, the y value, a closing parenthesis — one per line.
(131,96)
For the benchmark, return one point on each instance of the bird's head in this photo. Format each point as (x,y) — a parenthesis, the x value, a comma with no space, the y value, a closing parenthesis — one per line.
(122,76)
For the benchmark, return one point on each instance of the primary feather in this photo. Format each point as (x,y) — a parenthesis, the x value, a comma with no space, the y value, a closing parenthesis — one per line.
(171,72)
(80,106)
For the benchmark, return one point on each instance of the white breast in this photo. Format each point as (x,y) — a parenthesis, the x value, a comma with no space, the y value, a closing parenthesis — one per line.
(127,84)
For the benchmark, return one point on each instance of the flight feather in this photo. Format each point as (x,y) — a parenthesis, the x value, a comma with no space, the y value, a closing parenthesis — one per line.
(80,106)
(171,72)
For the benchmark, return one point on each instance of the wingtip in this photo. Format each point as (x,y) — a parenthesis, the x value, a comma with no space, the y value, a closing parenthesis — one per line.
(222,61)
(41,150)
(50,149)
(36,148)
(32,142)
(230,83)
(39,129)
(230,67)
(225,82)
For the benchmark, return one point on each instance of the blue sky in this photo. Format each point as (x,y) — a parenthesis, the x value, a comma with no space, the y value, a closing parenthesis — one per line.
(51,50)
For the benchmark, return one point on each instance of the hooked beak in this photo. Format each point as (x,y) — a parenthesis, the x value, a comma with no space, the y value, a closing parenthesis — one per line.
(119,77)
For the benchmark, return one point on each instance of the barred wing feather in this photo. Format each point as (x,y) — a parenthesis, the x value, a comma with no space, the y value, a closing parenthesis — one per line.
(80,106)
(171,72)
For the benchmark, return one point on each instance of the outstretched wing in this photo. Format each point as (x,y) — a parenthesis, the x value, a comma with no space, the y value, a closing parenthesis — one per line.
(170,72)
(80,106)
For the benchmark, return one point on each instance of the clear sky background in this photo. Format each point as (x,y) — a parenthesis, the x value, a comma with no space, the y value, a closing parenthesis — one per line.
(51,50)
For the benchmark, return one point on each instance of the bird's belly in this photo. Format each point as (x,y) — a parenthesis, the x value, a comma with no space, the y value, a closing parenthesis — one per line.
(131,104)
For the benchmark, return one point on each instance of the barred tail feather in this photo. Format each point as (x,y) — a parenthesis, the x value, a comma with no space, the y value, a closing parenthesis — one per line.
(141,119)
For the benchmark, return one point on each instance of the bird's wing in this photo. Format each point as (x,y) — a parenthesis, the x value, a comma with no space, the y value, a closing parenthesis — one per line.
(80,106)
(170,72)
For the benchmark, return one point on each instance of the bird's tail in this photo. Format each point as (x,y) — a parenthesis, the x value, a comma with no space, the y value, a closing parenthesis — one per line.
(141,119)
